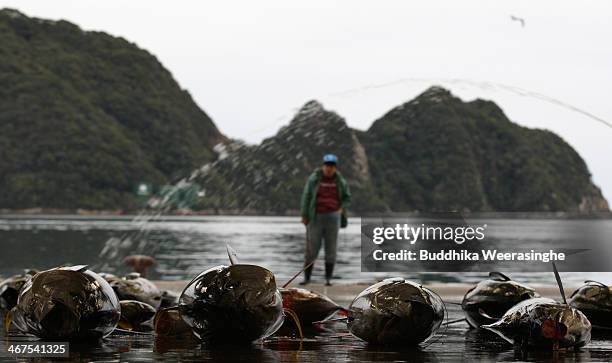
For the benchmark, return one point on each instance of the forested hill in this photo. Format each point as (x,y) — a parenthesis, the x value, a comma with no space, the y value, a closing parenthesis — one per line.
(435,153)
(439,153)
(84,116)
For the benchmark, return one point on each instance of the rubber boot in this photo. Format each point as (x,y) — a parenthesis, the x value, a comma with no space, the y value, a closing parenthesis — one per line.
(307,274)
(329,271)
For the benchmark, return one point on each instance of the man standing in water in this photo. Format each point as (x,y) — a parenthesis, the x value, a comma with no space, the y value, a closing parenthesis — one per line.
(325,197)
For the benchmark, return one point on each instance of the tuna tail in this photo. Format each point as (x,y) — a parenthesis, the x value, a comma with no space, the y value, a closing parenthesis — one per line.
(558,277)
(233,256)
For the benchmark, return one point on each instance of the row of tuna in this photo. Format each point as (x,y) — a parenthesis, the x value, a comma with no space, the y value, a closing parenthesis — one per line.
(242,303)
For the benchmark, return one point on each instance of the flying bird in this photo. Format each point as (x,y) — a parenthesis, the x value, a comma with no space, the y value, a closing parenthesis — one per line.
(516,18)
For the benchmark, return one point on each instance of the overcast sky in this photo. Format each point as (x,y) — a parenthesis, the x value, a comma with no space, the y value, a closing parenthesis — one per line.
(250,64)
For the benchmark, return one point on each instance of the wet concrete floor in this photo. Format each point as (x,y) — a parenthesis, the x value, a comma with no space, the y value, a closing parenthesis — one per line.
(455,343)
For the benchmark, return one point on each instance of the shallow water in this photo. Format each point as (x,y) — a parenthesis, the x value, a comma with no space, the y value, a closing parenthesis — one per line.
(185,246)
(453,344)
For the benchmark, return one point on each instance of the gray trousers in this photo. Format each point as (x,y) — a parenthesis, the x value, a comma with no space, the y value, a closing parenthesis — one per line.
(325,226)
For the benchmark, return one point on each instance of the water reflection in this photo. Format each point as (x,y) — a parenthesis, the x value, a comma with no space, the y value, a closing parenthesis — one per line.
(457,343)
(185,246)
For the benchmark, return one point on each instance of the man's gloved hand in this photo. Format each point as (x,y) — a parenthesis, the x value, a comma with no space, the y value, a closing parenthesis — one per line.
(305,221)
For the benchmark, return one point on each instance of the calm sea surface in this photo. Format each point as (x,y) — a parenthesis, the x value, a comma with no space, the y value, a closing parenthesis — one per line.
(184,246)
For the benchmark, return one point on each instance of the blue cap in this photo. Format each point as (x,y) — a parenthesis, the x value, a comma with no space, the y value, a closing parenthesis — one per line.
(330,158)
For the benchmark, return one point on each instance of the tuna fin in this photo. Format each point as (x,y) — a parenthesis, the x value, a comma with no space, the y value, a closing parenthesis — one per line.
(558,277)
(78,268)
(496,275)
(330,319)
(596,283)
(497,329)
(344,313)
(483,313)
(131,332)
(233,257)
(296,319)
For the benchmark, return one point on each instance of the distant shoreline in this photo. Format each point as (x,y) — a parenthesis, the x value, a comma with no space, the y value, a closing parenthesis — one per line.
(83,213)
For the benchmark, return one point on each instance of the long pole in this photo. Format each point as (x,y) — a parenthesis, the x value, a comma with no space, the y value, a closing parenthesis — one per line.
(298,274)
(305,267)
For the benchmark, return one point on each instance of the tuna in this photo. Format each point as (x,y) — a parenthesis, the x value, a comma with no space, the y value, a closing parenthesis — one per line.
(238,303)
(489,300)
(594,299)
(542,322)
(396,312)
(66,303)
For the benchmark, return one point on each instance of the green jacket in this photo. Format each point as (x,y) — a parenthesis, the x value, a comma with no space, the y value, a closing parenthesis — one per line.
(309,196)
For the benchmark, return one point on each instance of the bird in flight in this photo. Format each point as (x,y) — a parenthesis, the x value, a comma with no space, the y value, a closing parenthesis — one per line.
(520,20)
